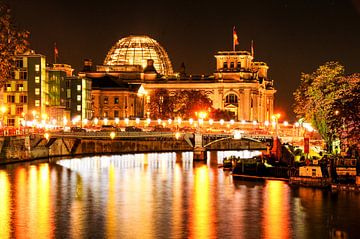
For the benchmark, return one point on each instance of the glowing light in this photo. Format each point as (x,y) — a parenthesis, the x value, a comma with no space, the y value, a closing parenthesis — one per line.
(96,121)
(117,120)
(201,121)
(254,122)
(266,123)
(177,135)
(126,121)
(65,121)
(243,122)
(112,135)
(148,121)
(159,121)
(3,109)
(202,115)
(137,121)
(211,121)
(232,122)
(169,121)
(191,121)
(179,120)
(222,121)
(237,134)
(85,122)
(47,136)
(286,123)
(106,121)
(296,124)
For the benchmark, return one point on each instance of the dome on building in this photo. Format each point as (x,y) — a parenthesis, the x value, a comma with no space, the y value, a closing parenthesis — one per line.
(137,50)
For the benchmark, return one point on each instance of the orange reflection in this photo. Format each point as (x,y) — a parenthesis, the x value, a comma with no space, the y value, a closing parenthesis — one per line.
(276,210)
(201,222)
(77,208)
(111,223)
(177,203)
(20,203)
(5,205)
(43,216)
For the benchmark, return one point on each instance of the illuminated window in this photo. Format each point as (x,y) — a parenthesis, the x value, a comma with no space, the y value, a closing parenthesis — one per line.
(78,107)
(106,100)
(37,91)
(116,100)
(37,103)
(78,97)
(106,114)
(19,87)
(8,87)
(68,93)
(78,87)
(37,67)
(37,79)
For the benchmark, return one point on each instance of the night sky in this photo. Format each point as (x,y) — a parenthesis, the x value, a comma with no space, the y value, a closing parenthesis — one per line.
(291,36)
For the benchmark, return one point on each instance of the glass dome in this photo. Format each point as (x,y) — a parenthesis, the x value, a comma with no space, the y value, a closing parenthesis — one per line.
(136,50)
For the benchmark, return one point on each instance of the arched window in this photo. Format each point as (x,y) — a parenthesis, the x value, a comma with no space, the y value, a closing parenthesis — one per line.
(231,99)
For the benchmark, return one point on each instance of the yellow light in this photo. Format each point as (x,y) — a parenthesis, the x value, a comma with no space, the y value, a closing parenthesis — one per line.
(105,121)
(211,121)
(96,121)
(179,120)
(191,121)
(3,109)
(126,121)
(47,136)
(112,135)
(222,121)
(169,121)
(137,120)
(159,121)
(177,135)
(148,121)
(266,123)
(232,122)
(117,120)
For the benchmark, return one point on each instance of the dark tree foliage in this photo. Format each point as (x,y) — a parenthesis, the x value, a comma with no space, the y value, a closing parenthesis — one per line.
(12,42)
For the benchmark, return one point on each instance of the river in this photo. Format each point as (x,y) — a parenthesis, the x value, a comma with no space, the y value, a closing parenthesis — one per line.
(163,195)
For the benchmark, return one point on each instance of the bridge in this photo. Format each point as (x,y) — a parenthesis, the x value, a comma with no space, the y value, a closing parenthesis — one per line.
(53,144)
(120,142)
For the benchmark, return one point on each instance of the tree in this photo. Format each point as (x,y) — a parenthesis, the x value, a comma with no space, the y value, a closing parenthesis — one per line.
(322,94)
(12,42)
(189,102)
(161,104)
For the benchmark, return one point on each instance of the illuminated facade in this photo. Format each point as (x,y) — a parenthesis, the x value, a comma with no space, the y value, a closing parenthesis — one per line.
(239,84)
(26,93)
(136,50)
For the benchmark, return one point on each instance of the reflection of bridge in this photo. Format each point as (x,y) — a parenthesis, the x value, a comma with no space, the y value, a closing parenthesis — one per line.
(60,144)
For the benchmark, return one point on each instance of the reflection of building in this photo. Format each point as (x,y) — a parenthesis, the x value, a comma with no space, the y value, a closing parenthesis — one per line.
(238,85)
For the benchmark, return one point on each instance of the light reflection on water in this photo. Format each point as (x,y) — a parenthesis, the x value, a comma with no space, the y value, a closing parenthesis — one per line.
(163,195)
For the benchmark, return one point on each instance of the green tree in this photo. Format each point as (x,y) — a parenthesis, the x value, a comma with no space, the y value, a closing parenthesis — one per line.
(12,42)
(322,95)
(345,120)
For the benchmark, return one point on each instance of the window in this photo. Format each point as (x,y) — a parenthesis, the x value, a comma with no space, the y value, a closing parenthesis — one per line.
(37,79)
(23,99)
(8,87)
(116,113)
(106,100)
(78,87)
(37,67)
(11,122)
(37,103)
(19,110)
(11,98)
(23,75)
(19,87)
(231,99)
(78,97)
(116,100)
(78,107)
(232,65)
(37,91)
(68,93)
(19,63)
(225,65)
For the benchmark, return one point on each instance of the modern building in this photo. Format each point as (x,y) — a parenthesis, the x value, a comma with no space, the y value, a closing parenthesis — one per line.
(26,93)
(239,84)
